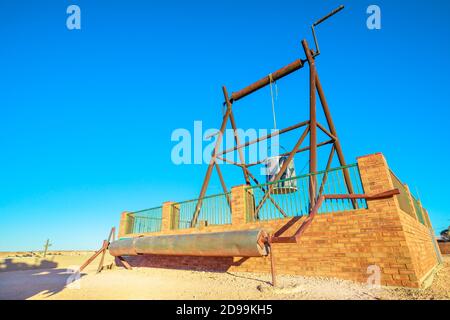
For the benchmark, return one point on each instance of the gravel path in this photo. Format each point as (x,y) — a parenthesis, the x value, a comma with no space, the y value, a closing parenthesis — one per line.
(147,283)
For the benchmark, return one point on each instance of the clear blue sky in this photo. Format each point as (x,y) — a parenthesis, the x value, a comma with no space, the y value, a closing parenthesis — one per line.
(87,115)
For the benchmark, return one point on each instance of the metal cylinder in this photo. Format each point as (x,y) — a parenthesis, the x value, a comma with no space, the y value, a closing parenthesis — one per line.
(294,66)
(244,243)
(123,247)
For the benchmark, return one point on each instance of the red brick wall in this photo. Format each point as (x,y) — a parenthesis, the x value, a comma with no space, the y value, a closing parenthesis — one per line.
(341,245)
(420,245)
(444,247)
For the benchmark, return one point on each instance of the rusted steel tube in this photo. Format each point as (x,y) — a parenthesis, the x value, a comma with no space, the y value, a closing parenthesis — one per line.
(243,243)
(294,66)
(123,247)
(236,136)
(332,13)
(337,143)
(198,207)
(312,125)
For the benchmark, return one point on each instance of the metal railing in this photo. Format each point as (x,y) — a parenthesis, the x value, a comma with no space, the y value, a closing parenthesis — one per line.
(215,210)
(403,197)
(419,212)
(414,209)
(148,220)
(291,196)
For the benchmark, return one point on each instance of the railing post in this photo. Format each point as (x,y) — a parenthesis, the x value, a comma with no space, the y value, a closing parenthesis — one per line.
(126,224)
(166,216)
(238,205)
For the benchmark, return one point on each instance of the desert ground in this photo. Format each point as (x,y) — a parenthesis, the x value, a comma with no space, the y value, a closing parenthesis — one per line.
(29,276)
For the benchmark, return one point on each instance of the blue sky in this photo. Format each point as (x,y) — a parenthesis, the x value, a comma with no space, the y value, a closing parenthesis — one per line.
(87,115)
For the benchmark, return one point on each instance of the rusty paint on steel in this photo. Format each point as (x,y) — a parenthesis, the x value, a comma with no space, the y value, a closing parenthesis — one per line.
(294,66)
(243,243)
(235,133)
(123,247)
(270,135)
(95,255)
(312,125)
(210,167)
(337,143)
(124,262)
(272,266)
(112,235)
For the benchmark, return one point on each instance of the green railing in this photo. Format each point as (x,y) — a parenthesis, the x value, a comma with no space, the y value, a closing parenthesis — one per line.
(215,210)
(405,204)
(419,212)
(291,196)
(148,220)
(403,197)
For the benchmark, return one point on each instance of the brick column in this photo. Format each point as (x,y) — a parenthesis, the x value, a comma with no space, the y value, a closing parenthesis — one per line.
(126,224)
(238,205)
(376,178)
(166,221)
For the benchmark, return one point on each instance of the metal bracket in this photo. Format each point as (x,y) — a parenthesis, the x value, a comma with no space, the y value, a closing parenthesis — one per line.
(332,13)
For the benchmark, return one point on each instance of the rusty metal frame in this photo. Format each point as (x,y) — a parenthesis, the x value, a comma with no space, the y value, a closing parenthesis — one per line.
(315,89)
(102,251)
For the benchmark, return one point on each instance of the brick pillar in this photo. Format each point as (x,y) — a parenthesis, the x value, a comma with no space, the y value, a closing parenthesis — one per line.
(376,178)
(250,205)
(167,216)
(126,224)
(238,205)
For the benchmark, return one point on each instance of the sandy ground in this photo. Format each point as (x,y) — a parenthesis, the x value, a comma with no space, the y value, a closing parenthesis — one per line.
(146,283)
(15,261)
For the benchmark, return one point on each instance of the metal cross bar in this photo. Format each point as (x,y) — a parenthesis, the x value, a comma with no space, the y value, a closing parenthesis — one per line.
(328,133)
(337,143)
(282,170)
(228,161)
(270,135)
(222,182)
(325,175)
(236,136)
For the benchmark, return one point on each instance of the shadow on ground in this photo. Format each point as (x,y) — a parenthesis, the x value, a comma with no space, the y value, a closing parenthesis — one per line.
(29,281)
(10,265)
